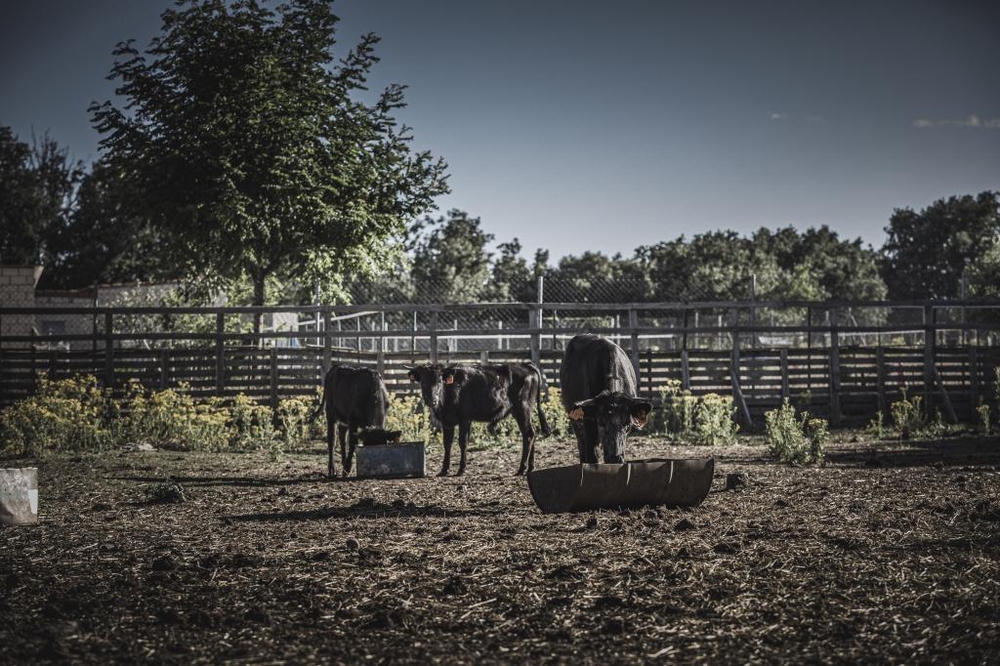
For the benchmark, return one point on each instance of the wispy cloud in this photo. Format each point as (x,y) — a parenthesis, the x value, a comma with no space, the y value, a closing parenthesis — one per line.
(971,121)
(781,117)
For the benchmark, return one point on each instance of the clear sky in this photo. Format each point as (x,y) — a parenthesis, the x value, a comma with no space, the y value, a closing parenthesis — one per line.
(583,125)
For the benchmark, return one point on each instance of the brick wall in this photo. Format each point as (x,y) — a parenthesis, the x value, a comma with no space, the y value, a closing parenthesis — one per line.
(17,289)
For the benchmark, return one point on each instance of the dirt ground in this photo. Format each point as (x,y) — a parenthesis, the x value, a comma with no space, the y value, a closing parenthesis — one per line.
(888,553)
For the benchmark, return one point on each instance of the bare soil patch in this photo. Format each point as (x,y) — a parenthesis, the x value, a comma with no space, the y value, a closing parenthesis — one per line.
(888,553)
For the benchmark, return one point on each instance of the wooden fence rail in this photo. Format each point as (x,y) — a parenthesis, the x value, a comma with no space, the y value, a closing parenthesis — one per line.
(946,352)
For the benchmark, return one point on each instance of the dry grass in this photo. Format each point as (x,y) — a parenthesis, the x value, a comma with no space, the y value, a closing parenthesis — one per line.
(888,553)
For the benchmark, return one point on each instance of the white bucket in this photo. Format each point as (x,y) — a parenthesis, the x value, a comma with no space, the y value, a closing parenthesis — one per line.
(19,496)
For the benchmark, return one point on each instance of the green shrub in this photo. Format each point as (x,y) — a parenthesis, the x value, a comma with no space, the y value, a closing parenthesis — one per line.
(251,425)
(985,420)
(713,420)
(409,415)
(907,416)
(677,410)
(66,415)
(795,439)
(171,419)
(555,413)
(77,415)
(876,427)
(293,422)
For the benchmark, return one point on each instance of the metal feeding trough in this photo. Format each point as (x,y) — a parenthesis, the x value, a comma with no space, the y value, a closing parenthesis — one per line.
(630,485)
(391,461)
(19,496)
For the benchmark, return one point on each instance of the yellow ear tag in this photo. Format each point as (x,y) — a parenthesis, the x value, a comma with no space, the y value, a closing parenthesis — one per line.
(576,414)
(449,380)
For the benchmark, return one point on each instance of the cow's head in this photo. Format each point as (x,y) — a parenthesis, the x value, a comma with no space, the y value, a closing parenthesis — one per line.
(431,383)
(380,436)
(615,414)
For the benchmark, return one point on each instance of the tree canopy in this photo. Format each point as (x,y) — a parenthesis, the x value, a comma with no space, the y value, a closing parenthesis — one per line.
(926,254)
(243,143)
(37,183)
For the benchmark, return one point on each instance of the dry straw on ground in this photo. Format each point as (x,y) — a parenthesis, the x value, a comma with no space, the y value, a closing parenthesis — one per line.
(888,553)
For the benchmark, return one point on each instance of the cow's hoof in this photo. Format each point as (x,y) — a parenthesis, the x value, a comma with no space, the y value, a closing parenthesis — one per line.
(460,472)
(443,472)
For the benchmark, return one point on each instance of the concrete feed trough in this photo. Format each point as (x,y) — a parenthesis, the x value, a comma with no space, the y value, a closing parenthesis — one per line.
(391,461)
(634,484)
(19,496)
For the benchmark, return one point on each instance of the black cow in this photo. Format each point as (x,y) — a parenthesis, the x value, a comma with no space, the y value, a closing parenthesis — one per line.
(599,394)
(458,395)
(380,437)
(355,398)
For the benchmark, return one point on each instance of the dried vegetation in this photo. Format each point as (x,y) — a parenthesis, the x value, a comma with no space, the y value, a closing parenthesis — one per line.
(887,553)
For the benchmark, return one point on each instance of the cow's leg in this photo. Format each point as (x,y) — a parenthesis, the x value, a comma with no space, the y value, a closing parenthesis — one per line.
(586,440)
(464,428)
(449,437)
(331,425)
(581,439)
(522,415)
(593,441)
(342,436)
(352,445)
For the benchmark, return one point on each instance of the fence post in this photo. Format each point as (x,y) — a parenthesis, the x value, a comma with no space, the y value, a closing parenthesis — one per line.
(785,390)
(164,369)
(685,371)
(930,341)
(327,342)
(109,351)
(880,380)
(536,335)
(633,324)
(274,378)
(834,369)
(220,353)
(434,338)
(974,396)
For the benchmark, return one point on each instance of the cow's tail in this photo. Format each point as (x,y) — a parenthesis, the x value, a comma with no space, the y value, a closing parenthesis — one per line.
(319,407)
(538,399)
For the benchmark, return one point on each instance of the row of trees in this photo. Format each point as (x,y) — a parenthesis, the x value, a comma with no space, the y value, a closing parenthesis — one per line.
(244,157)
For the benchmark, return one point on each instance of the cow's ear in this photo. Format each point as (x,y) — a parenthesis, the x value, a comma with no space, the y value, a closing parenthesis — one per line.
(584,409)
(412,374)
(639,412)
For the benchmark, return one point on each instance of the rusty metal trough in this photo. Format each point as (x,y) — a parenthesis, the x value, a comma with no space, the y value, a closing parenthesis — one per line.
(630,485)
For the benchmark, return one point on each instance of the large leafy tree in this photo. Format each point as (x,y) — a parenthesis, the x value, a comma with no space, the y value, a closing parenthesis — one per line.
(926,254)
(451,264)
(595,277)
(816,264)
(102,241)
(511,277)
(37,184)
(253,153)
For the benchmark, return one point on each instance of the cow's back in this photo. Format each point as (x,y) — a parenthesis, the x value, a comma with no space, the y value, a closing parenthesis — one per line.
(357,396)
(588,364)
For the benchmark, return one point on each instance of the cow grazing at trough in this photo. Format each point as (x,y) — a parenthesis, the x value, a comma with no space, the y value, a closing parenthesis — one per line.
(380,437)
(355,399)
(599,394)
(458,395)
